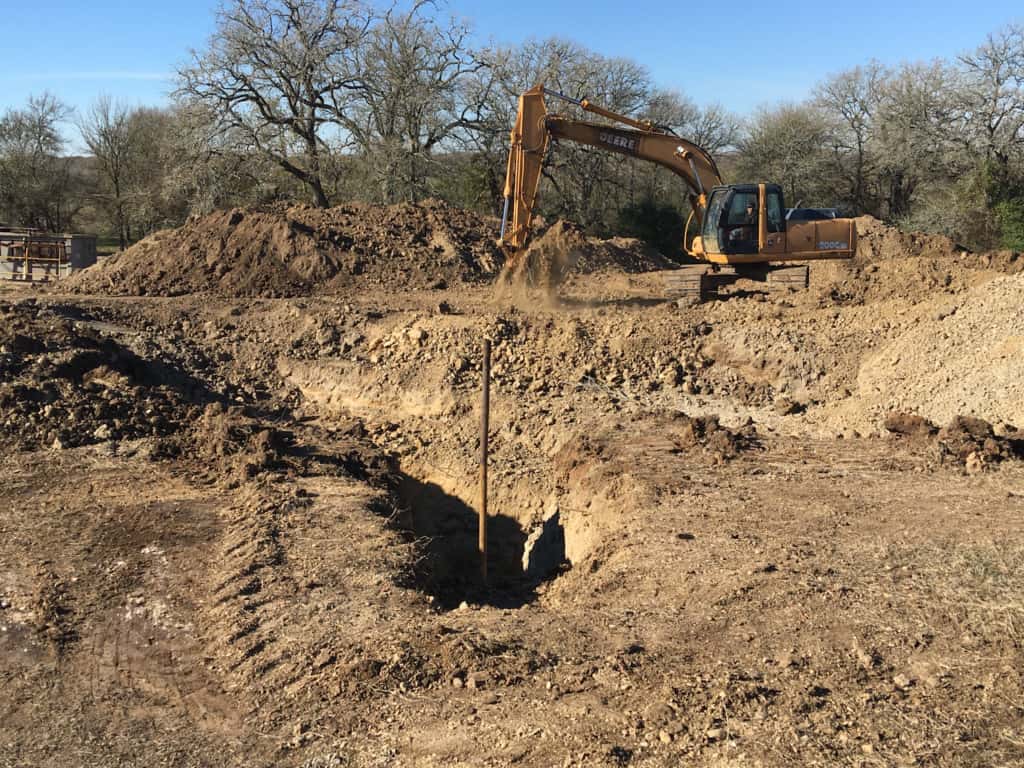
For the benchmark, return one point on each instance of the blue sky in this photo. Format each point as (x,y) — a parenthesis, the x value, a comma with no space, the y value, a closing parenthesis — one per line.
(740,54)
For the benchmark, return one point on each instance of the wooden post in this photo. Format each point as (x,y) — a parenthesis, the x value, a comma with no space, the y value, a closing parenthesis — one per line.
(485,408)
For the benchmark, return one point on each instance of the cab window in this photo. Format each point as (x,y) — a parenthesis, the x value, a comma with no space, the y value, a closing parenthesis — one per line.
(774,212)
(743,210)
(741,225)
(713,218)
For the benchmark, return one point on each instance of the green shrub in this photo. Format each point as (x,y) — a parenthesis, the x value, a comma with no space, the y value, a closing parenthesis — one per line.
(1010,215)
(657,224)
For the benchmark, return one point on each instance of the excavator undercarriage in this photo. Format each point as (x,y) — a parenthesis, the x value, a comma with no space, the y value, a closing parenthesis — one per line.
(692,282)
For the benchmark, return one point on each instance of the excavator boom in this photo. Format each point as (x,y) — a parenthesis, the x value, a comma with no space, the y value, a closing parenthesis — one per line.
(534,129)
(527,150)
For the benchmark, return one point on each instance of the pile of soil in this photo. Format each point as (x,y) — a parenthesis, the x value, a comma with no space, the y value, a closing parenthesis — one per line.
(891,264)
(235,446)
(620,254)
(686,435)
(965,357)
(565,249)
(966,441)
(974,443)
(707,433)
(878,241)
(63,384)
(300,250)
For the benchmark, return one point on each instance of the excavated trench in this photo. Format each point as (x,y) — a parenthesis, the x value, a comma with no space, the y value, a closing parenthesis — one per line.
(445,528)
(536,530)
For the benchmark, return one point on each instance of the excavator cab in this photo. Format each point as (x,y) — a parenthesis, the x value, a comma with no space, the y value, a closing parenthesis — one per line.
(746,224)
(732,224)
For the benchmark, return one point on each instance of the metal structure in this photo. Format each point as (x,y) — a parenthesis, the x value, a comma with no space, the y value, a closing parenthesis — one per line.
(30,255)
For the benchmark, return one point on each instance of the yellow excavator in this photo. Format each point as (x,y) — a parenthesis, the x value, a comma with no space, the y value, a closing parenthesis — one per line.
(742,230)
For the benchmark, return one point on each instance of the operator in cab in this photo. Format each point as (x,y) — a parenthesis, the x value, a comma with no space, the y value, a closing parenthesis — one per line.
(744,228)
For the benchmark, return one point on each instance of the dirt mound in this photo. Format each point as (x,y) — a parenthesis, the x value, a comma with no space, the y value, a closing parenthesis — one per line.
(878,241)
(909,425)
(950,356)
(686,434)
(974,443)
(705,432)
(908,266)
(966,441)
(564,249)
(964,358)
(236,446)
(620,254)
(64,385)
(301,250)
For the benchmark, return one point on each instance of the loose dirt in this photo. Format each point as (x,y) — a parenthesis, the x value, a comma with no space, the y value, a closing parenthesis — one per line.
(238,525)
(958,353)
(63,384)
(299,250)
(563,250)
(965,441)
(909,267)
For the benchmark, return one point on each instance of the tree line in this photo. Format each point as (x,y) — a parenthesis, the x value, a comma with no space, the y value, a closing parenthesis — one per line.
(336,100)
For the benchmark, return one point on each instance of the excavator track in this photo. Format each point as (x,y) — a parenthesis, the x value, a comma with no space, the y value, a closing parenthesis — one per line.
(685,282)
(698,282)
(781,278)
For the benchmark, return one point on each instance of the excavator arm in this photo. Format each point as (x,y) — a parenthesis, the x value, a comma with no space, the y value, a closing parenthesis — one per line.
(535,127)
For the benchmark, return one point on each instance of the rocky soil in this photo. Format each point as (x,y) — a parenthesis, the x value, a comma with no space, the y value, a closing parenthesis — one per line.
(238,517)
(64,384)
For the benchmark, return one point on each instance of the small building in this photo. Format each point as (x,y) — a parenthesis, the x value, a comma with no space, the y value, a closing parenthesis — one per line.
(31,254)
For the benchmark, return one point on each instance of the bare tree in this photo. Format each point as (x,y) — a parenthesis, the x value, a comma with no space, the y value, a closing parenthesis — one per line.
(209,166)
(912,139)
(991,97)
(595,183)
(586,184)
(36,183)
(787,145)
(510,71)
(275,74)
(106,129)
(713,127)
(851,99)
(151,201)
(583,183)
(413,90)
(988,131)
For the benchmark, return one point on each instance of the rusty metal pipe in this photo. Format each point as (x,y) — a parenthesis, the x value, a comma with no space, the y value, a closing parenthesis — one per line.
(485,408)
